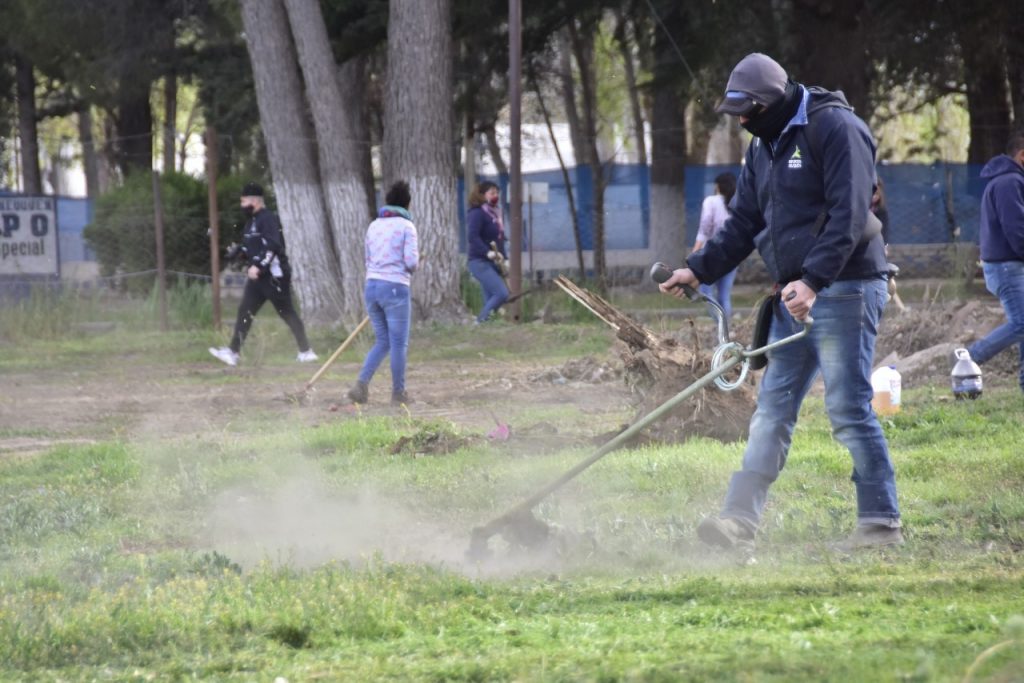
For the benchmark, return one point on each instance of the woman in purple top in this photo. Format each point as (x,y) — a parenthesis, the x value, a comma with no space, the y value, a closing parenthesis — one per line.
(392,254)
(486,246)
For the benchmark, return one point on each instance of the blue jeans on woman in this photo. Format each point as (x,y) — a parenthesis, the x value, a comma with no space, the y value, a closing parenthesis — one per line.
(389,307)
(1005,280)
(840,345)
(495,291)
(721,292)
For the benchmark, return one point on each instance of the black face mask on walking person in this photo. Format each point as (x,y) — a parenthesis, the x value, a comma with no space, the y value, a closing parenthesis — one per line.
(769,123)
(249,211)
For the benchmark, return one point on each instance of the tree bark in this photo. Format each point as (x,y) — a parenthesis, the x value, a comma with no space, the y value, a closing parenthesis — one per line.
(336,123)
(668,159)
(830,48)
(352,78)
(626,48)
(170,121)
(568,83)
(495,151)
(25,79)
(288,134)
(577,238)
(985,78)
(1015,71)
(90,162)
(419,145)
(583,49)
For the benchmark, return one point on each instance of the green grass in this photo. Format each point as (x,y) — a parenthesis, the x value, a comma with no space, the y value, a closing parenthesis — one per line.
(110,570)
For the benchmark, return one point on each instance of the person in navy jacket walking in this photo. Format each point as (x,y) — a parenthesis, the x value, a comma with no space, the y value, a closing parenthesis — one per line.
(803,201)
(486,246)
(1002,249)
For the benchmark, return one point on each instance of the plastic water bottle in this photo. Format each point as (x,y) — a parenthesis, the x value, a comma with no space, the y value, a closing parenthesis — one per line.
(888,387)
(966,376)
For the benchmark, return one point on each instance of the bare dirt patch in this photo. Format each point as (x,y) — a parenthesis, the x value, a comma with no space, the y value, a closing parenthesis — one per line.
(139,398)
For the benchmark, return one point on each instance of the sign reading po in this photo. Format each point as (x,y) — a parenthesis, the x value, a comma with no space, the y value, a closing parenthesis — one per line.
(28,236)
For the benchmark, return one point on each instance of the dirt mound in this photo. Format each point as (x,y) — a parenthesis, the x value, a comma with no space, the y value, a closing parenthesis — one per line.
(920,340)
(587,369)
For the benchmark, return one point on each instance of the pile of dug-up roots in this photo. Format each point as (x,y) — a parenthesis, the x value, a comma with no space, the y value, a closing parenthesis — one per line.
(657,367)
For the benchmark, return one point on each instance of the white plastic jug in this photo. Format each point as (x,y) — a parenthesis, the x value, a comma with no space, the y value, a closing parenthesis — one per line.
(887,386)
(966,376)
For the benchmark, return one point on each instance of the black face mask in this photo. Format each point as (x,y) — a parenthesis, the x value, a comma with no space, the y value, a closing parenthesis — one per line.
(249,211)
(769,123)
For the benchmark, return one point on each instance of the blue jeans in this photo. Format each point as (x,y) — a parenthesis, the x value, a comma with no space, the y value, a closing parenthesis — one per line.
(840,345)
(1006,281)
(495,291)
(721,292)
(389,307)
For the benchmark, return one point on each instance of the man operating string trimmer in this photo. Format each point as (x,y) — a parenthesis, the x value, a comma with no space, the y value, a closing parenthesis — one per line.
(803,201)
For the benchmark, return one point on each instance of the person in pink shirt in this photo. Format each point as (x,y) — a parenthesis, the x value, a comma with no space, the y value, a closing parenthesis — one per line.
(713,214)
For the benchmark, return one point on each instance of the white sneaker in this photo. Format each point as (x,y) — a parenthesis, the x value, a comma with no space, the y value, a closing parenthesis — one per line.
(225,355)
(307,356)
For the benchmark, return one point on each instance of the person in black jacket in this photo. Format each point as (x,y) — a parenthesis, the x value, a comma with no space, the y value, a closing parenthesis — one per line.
(803,201)
(268,277)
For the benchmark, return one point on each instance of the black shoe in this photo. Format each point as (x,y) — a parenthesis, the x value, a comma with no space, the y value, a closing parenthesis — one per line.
(400,398)
(359,393)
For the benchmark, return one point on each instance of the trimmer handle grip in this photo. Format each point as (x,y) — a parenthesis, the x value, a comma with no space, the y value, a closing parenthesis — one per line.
(661,273)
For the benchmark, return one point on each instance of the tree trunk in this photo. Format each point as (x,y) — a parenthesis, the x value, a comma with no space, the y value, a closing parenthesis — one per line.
(338,142)
(316,274)
(583,48)
(495,151)
(419,145)
(134,120)
(186,134)
(626,48)
(572,116)
(987,101)
(668,156)
(352,77)
(90,162)
(32,180)
(170,121)
(830,48)
(1015,71)
(577,238)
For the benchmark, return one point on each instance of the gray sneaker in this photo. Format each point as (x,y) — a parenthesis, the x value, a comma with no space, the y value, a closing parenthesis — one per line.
(871,536)
(725,532)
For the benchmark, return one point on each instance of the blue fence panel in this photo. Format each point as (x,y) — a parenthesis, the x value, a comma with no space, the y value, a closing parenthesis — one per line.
(72,216)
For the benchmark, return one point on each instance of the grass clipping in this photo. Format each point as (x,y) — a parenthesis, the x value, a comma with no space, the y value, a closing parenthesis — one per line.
(431,438)
(657,368)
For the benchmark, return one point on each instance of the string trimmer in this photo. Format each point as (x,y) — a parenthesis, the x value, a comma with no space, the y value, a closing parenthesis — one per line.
(520,527)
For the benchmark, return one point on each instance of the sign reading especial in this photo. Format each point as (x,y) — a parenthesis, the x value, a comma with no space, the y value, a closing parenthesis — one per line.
(28,236)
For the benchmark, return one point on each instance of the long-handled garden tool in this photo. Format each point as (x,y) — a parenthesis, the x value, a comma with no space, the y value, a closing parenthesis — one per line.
(334,356)
(520,527)
(303,395)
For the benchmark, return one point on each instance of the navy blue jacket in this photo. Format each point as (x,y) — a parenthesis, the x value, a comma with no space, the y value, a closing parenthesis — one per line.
(784,189)
(481,230)
(1002,211)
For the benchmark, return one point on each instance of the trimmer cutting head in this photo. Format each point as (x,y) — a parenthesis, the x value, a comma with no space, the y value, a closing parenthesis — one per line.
(520,530)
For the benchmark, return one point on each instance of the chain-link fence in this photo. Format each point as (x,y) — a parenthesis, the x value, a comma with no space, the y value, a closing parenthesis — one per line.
(110,245)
